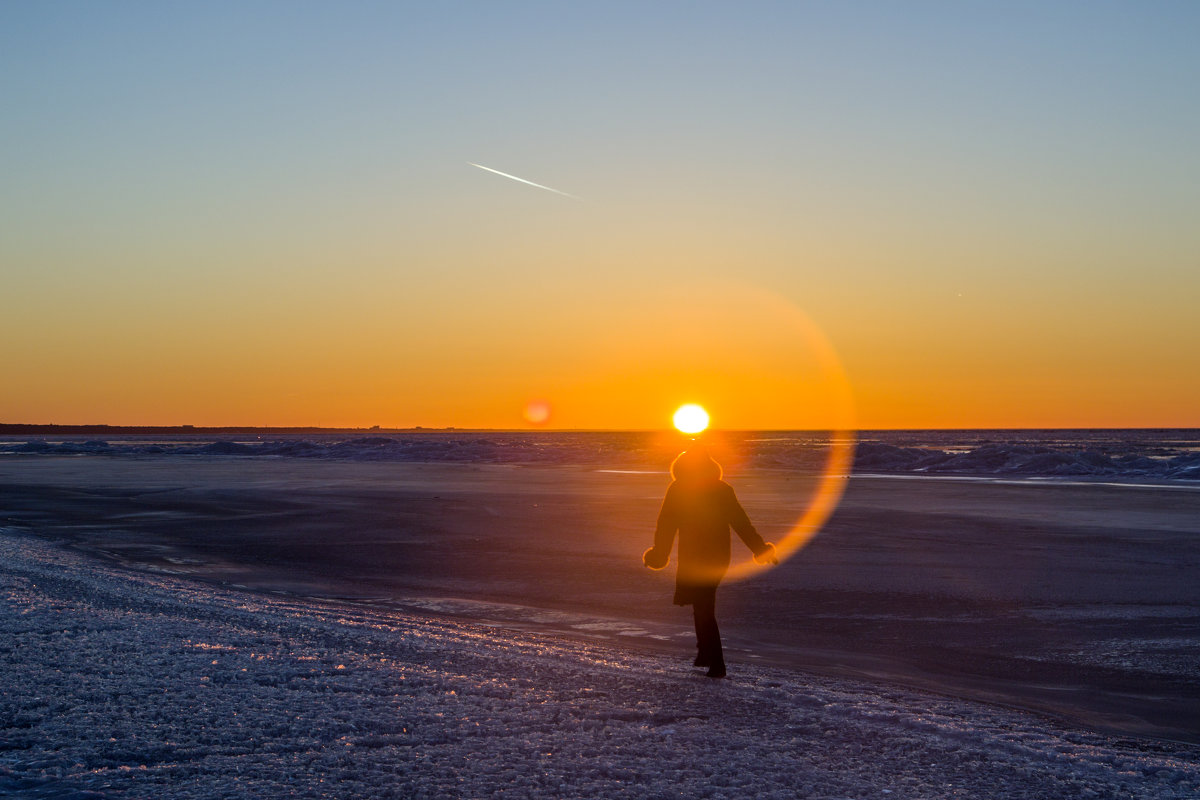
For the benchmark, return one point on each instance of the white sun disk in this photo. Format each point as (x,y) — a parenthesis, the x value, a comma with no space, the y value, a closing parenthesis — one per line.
(691,418)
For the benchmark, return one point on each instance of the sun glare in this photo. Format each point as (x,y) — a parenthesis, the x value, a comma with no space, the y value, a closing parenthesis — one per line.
(691,418)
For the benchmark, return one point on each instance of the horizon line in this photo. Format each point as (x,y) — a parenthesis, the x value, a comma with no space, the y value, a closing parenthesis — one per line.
(8,427)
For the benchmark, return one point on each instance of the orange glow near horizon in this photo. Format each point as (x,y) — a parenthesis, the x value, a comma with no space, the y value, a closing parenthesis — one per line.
(756,359)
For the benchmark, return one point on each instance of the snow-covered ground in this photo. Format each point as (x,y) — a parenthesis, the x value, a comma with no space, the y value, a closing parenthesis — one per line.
(127,684)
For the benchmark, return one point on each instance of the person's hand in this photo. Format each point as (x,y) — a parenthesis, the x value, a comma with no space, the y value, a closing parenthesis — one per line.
(654,559)
(767,556)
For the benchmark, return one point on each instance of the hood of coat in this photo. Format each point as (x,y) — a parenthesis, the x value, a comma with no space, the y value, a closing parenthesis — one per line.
(695,466)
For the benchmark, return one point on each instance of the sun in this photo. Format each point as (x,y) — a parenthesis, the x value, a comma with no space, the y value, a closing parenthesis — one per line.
(691,418)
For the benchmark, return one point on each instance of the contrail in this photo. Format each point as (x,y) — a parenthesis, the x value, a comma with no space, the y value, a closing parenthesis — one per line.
(522,180)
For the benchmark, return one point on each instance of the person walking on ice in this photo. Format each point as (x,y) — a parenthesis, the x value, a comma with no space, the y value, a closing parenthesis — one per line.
(701,508)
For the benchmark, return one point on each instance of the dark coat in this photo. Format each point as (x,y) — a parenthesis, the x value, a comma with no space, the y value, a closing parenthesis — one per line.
(701,508)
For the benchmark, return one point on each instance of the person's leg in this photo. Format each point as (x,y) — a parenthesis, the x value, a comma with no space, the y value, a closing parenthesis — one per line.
(708,636)
(700,618)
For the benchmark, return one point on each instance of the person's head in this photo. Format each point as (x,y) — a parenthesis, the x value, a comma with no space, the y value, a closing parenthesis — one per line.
(695,466)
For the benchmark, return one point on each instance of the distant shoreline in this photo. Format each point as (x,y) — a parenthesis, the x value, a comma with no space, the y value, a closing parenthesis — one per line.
(23,429)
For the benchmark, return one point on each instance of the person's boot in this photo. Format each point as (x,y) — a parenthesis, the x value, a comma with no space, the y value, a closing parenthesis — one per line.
(716,670)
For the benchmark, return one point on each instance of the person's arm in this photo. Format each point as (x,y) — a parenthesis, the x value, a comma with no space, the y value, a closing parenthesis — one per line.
(664,533)
(764,552)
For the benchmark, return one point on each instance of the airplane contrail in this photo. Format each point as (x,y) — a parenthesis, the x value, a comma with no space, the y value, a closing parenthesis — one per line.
(522,180)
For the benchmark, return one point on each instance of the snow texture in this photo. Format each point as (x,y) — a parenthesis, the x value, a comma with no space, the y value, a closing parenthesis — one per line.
(1024,460)
(1121,455)
(129,684)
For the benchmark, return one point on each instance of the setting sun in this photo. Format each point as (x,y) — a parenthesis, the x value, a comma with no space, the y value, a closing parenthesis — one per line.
(691,418)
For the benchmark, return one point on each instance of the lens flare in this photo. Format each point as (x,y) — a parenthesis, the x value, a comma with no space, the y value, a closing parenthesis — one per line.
(537,412)
(691,419)
(785,369)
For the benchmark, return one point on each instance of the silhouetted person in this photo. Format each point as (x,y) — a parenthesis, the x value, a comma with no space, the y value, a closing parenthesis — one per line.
(702,508)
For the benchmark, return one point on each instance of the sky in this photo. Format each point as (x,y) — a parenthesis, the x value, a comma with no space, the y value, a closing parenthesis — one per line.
(800,214)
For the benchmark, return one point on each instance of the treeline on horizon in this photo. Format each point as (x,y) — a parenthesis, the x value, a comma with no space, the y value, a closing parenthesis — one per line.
(26,429)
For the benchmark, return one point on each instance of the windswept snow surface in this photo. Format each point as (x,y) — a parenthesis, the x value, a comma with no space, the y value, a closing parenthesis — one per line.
(1160,455)
(127,684)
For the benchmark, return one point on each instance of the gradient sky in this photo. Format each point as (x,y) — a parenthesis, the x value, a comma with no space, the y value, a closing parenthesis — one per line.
(921,214)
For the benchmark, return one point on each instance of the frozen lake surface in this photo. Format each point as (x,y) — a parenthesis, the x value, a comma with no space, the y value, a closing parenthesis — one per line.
(945,635)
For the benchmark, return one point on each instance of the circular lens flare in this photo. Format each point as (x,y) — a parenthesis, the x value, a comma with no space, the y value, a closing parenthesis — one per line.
(537,412)
(691,418)
(805,375)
